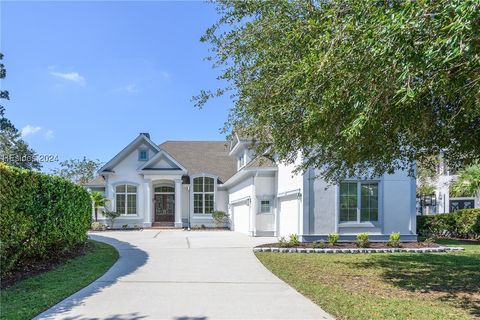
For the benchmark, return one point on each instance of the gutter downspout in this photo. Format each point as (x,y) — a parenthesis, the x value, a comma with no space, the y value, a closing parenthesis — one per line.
(189,207)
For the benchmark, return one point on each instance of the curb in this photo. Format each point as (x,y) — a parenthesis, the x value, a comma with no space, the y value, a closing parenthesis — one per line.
(358,250)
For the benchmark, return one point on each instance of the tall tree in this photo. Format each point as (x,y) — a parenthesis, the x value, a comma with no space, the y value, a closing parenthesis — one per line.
(468,182)
(78,170)
(13,149)
(358,87)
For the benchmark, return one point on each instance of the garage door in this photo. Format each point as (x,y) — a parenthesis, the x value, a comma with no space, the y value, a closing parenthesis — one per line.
(288,216)
(241,219)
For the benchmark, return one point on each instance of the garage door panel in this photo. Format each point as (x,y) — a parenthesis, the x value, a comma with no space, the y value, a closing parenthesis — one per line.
(241,218)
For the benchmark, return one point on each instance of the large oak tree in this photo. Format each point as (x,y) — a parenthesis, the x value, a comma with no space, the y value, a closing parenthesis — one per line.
(352,84)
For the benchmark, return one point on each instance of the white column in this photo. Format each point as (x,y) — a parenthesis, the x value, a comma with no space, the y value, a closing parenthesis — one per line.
(148,203)
(178,203)
(253,209)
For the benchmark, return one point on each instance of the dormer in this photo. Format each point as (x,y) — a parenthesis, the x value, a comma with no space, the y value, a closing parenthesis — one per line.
(239,148)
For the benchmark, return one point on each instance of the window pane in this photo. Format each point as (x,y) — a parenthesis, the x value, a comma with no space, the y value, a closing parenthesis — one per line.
(369,202)
(198,184)
(348,201)
(198,203)
(209,184)
(131,204)
(209,203)
(265,206)
(120,203)
(131,188)
(164,189)
(120,188)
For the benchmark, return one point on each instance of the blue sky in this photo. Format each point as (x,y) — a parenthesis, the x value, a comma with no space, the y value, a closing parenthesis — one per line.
(86,77)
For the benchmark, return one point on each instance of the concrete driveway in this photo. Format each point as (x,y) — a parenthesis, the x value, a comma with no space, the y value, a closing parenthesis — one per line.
(184,276)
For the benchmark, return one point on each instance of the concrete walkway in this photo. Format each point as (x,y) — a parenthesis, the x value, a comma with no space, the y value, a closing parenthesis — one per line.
(184,275)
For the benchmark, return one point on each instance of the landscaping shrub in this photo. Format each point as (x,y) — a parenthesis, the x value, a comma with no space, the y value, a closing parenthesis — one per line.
(333,238)
(97,226)
(294,240)
(394,241)
(40,216)
(319,244)
(220,218)
(283,243)
(459,224)
(362,240)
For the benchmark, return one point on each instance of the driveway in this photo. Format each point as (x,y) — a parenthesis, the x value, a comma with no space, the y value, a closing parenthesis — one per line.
(182,275)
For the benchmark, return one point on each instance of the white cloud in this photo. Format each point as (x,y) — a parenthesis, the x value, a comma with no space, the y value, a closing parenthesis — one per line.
(70,76)
(130,88)
(48,135)
(29,130)
(166,75)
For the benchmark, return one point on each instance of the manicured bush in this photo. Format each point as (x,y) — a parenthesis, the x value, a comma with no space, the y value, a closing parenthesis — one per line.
(362,240)
(283,243)
(333,238)
(40,216)
(459,224)
(220,218)
(394,240)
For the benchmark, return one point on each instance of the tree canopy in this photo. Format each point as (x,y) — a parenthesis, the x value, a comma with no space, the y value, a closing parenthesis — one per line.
(13,149)
(79,171)
(358,87)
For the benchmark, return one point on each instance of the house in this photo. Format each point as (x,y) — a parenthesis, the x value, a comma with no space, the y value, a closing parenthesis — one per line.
(180,183)
(441,199)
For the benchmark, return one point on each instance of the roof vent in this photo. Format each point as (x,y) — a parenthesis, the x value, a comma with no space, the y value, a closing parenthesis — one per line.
(146,134)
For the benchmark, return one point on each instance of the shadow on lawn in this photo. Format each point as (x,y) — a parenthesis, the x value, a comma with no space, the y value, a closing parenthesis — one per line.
(131,258)
(455,276)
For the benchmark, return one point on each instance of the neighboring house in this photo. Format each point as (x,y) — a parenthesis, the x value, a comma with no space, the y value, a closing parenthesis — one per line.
(441,200)
(180,183)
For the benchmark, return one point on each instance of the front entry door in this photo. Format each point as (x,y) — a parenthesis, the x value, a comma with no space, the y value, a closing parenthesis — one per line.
(164,208)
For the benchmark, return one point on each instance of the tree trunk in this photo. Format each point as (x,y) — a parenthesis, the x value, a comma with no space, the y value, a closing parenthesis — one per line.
(96,215)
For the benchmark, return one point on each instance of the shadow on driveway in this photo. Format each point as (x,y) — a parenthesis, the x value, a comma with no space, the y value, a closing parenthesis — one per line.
(131,258)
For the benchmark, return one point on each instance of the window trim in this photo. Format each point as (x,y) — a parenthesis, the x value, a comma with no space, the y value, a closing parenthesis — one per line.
(136,185)
(358,222)
(192,194)
(140,152)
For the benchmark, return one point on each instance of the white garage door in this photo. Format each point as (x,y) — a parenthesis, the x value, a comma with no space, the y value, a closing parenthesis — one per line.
(288,216)
(241,219)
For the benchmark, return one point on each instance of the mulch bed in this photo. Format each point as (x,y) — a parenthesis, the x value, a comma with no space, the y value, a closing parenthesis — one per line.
(348,245)
(34,267)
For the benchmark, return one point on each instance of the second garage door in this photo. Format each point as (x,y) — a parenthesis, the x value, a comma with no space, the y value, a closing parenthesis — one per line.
(288,216)
(241,217)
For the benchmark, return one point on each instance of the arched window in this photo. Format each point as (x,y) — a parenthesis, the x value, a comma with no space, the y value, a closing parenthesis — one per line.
(126,199)
(203,195)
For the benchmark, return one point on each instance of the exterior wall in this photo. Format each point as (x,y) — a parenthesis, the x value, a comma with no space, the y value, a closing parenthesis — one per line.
(125,172)
(396,209)
(265,223)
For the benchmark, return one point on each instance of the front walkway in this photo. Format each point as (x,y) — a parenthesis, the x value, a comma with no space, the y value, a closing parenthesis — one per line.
(183,275)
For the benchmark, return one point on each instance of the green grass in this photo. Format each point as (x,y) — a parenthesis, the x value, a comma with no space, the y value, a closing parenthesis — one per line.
(35,294)
(386,286)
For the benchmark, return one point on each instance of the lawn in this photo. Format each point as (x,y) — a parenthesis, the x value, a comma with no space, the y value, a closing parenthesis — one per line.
(380,286)
(31,296)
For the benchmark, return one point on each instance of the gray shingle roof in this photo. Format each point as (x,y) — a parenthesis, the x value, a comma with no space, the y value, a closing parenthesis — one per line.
(203,157)
(261,162)
(97,181)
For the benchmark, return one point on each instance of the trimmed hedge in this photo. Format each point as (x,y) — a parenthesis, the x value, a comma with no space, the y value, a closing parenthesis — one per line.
(459,224)
(40,216)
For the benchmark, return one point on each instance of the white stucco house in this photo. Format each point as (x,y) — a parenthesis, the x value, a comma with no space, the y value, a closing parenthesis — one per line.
(180,183)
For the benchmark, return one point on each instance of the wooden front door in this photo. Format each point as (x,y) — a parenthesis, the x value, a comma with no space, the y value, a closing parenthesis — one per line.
(164,207)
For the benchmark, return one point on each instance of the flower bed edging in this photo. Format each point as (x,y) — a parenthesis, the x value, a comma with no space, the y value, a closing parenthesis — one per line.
(357,250)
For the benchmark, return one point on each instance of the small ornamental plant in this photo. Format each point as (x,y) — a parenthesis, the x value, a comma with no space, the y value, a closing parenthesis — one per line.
(319,244)
(333,238)
(283,243)
(362,240)
(294,240)
(394,240)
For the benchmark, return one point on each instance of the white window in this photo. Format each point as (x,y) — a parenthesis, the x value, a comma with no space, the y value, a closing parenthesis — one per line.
(265,206)
(203,195)
(143,155)
(241,161)
(358,201)
(126,199)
